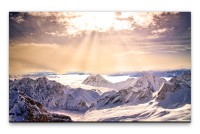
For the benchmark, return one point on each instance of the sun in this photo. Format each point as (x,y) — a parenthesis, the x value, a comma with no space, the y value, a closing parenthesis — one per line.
(78,22)
(96,21)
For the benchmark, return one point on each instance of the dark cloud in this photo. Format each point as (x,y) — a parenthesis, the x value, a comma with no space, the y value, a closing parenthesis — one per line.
(34,28)
(45,28)
(176,29)
(179,22)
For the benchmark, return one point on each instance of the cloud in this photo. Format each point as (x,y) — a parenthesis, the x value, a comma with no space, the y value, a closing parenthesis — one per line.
(165,51)
(60,27)
(18,19)
(158,31)
(56,33)
(34,29)
(155,36)
(132,52)
(178,22)
(142,19)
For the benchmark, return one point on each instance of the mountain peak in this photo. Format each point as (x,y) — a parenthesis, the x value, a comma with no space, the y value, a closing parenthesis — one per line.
(149,75)
(43,78)
(95,76)
(150,81)
(186,77)
(96,80)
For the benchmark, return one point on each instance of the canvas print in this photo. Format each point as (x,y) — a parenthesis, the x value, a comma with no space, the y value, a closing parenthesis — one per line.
(100,66)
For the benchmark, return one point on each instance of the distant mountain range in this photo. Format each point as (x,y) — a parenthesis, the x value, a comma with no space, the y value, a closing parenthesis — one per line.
(78,73)
(170,73)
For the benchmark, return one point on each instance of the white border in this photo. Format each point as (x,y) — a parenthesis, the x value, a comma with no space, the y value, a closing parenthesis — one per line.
(98,5)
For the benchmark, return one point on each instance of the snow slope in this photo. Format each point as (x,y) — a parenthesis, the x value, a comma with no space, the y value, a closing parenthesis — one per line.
(139,113)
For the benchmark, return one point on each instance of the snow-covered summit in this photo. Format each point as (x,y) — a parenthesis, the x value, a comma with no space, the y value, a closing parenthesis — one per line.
(97,81)
(149,82)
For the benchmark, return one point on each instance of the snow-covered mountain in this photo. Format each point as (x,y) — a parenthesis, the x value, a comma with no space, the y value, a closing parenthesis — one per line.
(40,89)
(54,95)
(137,92)
(33,75)
(125,96)
(99,81)
(169,73)
(74,99)
(170,102)
(24,109)
(176,92)
(147,81)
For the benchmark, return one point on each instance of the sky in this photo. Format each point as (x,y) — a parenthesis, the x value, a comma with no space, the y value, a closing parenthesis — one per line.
(98,42)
